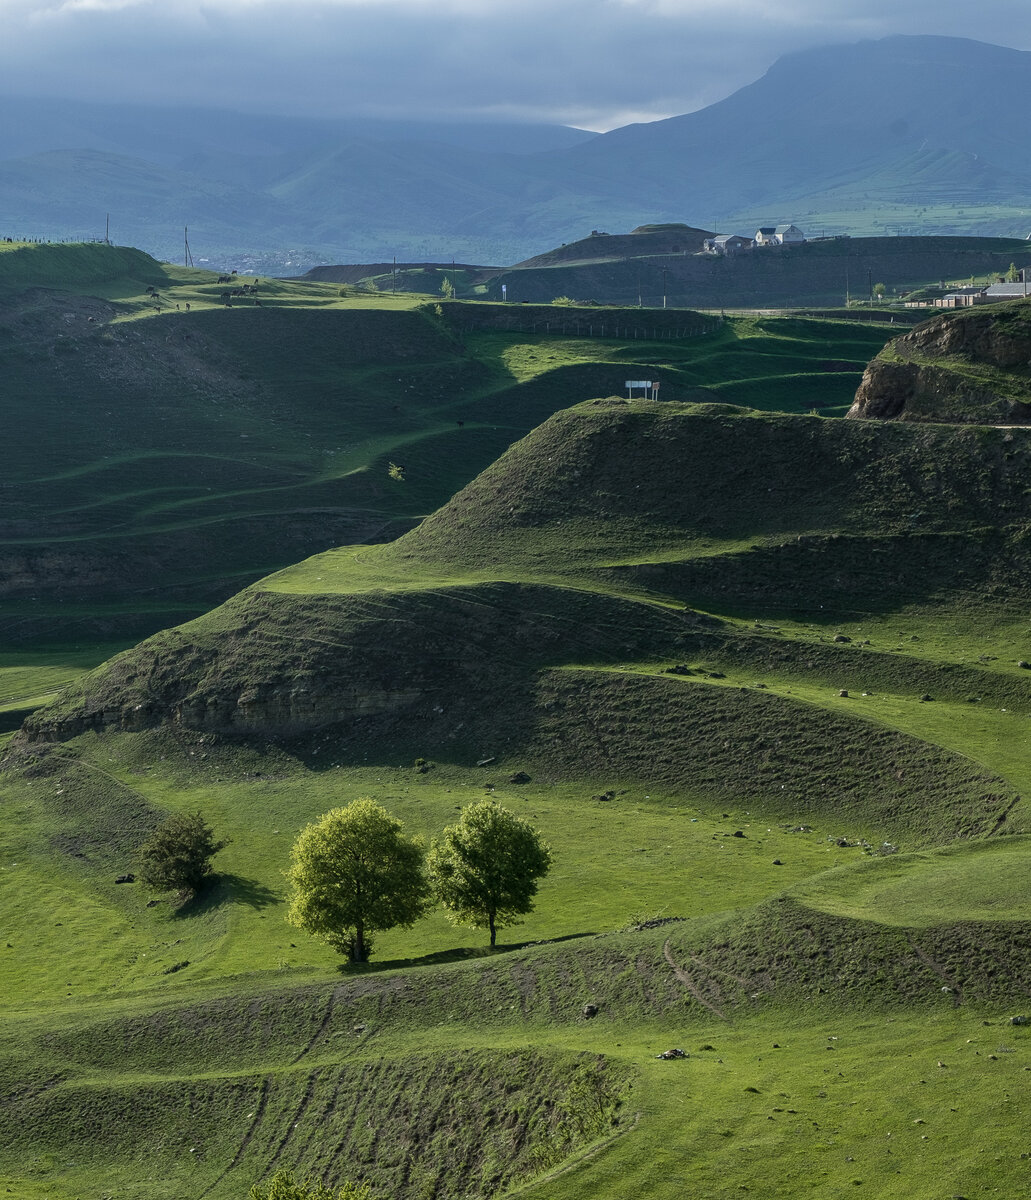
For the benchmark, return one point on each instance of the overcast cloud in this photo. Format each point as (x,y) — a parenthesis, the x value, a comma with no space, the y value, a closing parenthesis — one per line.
(593,63)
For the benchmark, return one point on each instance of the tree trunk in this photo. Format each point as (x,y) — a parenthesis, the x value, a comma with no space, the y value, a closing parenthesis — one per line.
(359,942)
(493,930)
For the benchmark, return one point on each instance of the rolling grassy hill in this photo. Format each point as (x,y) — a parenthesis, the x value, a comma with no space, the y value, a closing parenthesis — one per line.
(763,671)
(824,271)
(191,451)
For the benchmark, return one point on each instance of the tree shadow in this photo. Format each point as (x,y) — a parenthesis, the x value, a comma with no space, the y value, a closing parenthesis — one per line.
(228,889)
(458,954)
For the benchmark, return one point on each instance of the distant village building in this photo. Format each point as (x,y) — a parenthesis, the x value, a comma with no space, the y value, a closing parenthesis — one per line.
(1008,291)
(778,235)
(961,298)
(727,243)
(965,297)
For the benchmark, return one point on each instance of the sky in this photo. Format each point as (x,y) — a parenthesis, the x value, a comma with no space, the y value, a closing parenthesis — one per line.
(596,64)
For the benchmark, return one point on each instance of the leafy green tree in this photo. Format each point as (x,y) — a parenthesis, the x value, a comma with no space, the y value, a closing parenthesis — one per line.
(878,290)
(177,855)
(355,873)
(282,1186)
(1013,275)
(485,869)
(447,289)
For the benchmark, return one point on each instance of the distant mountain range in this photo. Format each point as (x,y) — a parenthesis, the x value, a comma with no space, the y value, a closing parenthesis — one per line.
(910,134)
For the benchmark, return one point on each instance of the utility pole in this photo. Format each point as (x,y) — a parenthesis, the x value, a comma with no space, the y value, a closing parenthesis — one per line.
(663,287)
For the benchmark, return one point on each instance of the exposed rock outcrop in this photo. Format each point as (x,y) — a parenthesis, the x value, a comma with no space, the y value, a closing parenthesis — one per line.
(972,366)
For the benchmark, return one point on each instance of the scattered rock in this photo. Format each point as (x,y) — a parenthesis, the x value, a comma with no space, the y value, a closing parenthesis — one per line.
(738,833)
(176,967)
(604,796)
(840,637)
(151,903)
(674,1053)
(844,692)
(1021,1020)
(1024,665)
(777,862)
(679,669)
(127,878)
(590,1010)
(925,698)
(519,777)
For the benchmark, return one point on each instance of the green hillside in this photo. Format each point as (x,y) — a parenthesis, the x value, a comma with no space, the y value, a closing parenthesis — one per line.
(759,678)
(192,447)
(623,269)
(724,792)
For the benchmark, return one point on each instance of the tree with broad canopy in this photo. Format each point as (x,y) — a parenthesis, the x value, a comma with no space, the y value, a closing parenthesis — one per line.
(486,868)
(355,873)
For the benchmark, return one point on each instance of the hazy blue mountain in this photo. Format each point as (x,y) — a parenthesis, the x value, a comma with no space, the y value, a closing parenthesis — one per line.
(173,136)
(827,118)
(924,133)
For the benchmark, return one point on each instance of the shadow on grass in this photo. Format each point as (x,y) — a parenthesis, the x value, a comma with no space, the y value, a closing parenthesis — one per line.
(459,954)
(228,889)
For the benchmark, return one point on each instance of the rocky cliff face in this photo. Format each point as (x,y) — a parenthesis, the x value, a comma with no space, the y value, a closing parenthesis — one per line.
(971,366)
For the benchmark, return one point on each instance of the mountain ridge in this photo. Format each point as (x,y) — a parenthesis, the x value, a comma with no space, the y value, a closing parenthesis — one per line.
(845,135)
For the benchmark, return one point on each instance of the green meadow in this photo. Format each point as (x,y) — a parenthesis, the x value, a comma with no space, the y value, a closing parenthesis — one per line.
(758,671)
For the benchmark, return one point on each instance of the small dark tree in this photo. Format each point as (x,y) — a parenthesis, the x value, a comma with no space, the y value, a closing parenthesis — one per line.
(485,869)
(177,855)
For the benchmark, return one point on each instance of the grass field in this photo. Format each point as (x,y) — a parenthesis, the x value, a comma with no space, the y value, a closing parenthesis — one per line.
(652,611)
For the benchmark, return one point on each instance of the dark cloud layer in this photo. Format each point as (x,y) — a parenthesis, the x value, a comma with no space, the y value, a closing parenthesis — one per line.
(595,63)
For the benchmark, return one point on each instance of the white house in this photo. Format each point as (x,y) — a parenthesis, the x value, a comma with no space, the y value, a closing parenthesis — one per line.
(778,235)
(727,243)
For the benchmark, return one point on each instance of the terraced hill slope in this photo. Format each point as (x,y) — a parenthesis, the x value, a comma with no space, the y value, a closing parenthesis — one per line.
(192,447)
(760,679)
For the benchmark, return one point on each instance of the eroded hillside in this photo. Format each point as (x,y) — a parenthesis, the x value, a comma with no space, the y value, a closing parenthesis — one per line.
(971,366)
